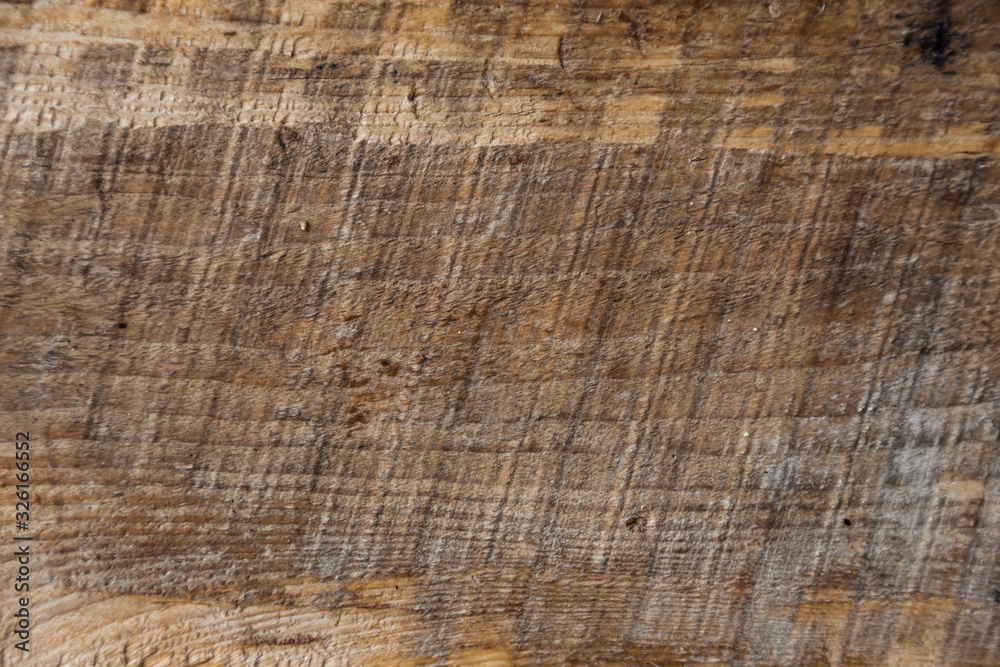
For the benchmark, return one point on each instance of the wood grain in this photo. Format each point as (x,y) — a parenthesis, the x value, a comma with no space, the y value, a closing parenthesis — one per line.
(577,332)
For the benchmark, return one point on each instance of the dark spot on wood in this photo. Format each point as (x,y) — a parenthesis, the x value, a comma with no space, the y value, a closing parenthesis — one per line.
(636,522)
(102,192)
(286,136)
(956,197)
(854,196)
(933,38)
(17,261)
(357,418)
(392,161)
(229,33)
(122,325)
(847,522)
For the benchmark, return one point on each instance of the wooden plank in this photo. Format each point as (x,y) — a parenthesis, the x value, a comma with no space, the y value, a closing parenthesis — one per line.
(573,332)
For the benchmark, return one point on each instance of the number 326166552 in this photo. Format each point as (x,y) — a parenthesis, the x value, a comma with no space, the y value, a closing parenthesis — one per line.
(22,447)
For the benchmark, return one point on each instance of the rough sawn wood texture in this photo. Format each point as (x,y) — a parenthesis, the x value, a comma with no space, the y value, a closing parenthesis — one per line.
(649,333)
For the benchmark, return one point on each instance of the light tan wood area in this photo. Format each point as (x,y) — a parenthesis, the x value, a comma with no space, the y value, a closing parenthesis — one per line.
(488,333)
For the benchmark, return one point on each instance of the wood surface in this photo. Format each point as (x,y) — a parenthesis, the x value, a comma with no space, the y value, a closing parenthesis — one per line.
(486,333)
